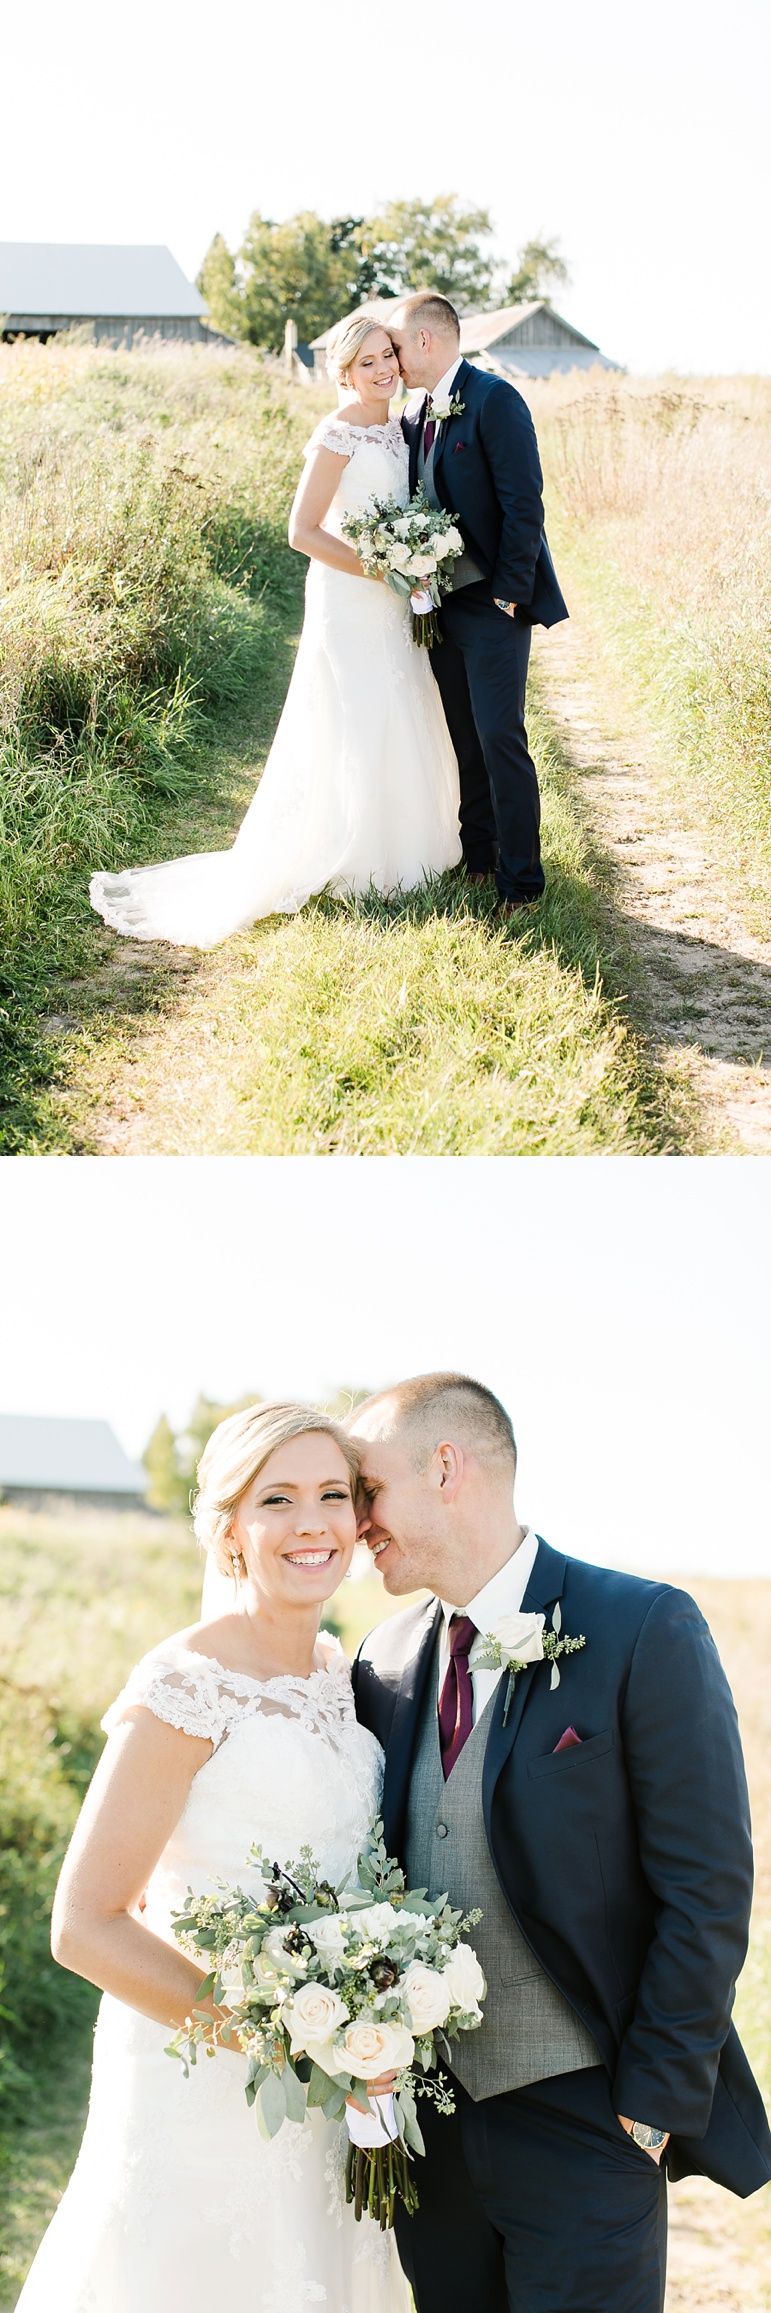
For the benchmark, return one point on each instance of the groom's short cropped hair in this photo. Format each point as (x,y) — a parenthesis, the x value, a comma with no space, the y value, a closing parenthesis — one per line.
(435,1407)
(427,309)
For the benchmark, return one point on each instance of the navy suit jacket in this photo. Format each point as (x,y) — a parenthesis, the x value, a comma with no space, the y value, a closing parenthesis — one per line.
(625,1859)
(487,472)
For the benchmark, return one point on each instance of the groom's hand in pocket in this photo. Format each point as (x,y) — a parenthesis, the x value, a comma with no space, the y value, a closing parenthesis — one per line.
(654,2151)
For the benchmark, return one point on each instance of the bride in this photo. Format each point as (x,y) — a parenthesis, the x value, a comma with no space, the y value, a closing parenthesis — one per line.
(361,784)
(239,1729)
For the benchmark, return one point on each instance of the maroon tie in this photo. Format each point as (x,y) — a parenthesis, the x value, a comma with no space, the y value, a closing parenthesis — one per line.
(429,429)
(456,1702)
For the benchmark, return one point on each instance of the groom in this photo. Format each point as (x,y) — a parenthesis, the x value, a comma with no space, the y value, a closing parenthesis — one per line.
(480,461)
(601,1824)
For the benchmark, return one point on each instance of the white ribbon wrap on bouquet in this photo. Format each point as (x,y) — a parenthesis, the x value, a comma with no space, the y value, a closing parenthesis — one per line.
(421,602)
(377,2126)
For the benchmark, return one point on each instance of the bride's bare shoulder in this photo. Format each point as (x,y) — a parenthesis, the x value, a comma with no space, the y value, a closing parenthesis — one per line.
(203,1638)
(348,414)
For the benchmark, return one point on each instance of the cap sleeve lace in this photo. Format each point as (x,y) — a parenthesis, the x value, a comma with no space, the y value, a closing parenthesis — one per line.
(186,1690)
(329,434)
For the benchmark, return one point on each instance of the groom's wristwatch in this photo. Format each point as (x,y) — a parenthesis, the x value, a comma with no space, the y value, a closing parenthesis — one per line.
(650,2139)
(509,607)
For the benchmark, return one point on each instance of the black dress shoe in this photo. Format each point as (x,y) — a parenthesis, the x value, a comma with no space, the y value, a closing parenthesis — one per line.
(480,874)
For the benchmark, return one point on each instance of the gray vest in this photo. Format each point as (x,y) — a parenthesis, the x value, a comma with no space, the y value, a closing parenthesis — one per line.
(464,569)
(529,2032)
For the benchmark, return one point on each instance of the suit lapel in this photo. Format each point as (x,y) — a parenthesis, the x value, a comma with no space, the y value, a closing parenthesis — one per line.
(411,427)
(544,1587)
(442,431)
(404,1725)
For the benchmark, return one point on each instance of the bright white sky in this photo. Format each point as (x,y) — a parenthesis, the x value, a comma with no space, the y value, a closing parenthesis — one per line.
(618,1306)
(637,135)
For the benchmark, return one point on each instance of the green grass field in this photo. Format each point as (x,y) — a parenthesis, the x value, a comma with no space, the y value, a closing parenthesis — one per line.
(80,1600)
(150,606)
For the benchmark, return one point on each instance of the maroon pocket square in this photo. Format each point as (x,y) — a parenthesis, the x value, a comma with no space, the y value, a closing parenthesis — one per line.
(567,1740)
(458,446)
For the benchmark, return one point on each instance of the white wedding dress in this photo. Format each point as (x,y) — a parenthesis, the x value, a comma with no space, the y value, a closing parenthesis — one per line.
(361,784)
(176,2203)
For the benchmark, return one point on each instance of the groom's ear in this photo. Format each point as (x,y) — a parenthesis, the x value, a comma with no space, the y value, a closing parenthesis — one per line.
(445,1470)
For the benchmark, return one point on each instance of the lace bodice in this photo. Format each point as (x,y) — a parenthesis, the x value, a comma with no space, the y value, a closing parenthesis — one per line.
(290,1766)
(377,464)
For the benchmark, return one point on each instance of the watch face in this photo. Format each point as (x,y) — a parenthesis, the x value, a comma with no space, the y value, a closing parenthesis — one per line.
(648,2138)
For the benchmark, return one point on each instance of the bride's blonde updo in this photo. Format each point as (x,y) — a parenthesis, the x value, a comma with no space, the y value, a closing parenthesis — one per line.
(346,340)
(237,1451)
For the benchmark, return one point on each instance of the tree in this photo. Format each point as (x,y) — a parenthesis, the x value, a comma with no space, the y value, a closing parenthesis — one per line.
(172,1458)
(431,245)
(539,264)
(217,284)
(291,271)
(169,1487)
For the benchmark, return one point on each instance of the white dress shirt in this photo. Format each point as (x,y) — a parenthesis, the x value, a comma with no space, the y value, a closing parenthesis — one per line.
(445,383)
(503,1594)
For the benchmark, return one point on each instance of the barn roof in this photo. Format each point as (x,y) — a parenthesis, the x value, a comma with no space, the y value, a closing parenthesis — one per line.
(78,1457)
(86,279)
(480,330)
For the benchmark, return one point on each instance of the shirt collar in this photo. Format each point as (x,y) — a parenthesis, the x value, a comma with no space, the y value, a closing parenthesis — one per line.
(504,1593)
(445,383)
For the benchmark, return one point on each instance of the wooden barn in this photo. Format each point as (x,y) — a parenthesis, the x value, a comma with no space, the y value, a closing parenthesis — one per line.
(120,293)
(528,341)
(53,1463)
(519,341)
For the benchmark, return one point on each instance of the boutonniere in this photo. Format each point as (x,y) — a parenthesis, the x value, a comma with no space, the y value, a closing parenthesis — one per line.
(445,408)
(521,1639)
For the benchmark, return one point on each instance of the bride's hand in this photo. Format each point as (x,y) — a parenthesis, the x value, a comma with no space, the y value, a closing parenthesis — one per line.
(384,2086)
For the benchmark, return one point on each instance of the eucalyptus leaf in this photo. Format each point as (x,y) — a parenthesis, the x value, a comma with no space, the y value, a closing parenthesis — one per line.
(270,2105)
(320,2086)
(294,2094)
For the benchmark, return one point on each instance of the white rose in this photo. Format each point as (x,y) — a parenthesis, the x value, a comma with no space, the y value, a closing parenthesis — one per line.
(404,526)
(464,1980)
(398,555)
(453,542)
(521,1635)
(428,1997)
(312,2015)
(290,1963)
(368,2048)
(328,1937)
(376,1923)
(440,545)
(420,564)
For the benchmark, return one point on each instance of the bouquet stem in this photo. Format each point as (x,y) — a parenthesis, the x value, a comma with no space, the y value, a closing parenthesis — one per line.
(426,631)
(377,2177)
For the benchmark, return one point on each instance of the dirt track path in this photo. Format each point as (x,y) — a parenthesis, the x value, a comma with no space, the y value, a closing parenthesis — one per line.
(705,980)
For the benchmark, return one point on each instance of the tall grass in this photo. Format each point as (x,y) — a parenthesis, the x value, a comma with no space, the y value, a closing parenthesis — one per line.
(661,514)
(143,578)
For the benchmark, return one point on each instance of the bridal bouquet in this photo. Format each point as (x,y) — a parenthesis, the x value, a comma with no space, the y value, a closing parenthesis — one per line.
(414,548)
(329,1988)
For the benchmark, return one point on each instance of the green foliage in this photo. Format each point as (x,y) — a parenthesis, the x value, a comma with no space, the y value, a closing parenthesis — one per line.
(172,1458)
(144,573)
(433,245)
(314,271)
(217,284)
(539,265)
(38,1805)
(290,271)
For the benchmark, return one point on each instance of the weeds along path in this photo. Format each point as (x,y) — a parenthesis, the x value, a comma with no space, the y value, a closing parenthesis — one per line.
(421,1027)
(704,978)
